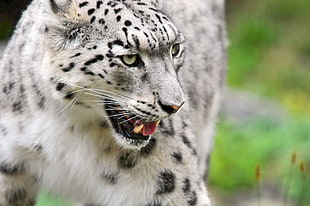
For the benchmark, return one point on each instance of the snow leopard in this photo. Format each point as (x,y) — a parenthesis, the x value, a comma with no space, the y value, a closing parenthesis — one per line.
(111,102)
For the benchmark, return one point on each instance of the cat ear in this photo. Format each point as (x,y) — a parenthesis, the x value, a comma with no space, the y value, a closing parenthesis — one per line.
(60,6)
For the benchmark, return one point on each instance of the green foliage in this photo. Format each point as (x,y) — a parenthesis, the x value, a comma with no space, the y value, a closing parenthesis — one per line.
(46,200)
(270,50)
(269,54)
(239,148)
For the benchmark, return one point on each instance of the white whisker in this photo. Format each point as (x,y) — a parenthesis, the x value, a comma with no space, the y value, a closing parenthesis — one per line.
(101,92)
(101,102)
(72,102)
(112,93)
(116,109)
(127,120)
(104,95)
(117,115)
(75,99)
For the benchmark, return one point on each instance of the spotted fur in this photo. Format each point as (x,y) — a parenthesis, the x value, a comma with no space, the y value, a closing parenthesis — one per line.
(75,68)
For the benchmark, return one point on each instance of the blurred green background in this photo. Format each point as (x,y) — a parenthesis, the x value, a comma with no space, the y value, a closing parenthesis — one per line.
(269,56)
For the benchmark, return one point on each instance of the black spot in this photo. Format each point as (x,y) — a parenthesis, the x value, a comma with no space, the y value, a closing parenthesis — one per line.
(113,64)
(166,128)
(38,148)
(101,21)
(159,19)
(184,124)
(60,86)
(93,19)
(136,40)
(192,201)
(16,195)
(118,42)
(154,203)
(6,89)
(76,55)
(17,106)
(141,3)
(101,76)
(110,178)
(69,95)
(21,88)
(109,54)
(40,96)
(177,156)
(4,130)
(166,182)
(91,11)
(145,112)
(83,4)
(117,10)
(128,23)
(8,169)
(118,18)
(97,58)
(87,71)
(99,3)
(127,161)
(69,68)
(106,11)
(186,186)
(141,102)
(144,77)
(188,144)
(147,149)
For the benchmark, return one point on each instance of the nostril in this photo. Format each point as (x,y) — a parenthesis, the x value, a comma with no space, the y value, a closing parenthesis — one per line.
(170,109)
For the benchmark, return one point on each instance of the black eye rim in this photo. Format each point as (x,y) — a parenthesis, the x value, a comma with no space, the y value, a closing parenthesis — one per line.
(137,63)
(176,54)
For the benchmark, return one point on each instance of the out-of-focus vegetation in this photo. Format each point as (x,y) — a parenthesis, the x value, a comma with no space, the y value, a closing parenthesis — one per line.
(269,54)
(46,200)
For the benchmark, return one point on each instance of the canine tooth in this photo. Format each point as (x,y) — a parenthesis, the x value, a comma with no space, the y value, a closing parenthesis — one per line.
(157,123)
(138,129)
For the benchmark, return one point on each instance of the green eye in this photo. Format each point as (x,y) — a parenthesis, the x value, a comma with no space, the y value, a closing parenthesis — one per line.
(175,50)
(130,59)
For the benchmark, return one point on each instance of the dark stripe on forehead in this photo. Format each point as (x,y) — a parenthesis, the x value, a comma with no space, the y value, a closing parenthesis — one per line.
(136,40)
(158,17)
(166,33)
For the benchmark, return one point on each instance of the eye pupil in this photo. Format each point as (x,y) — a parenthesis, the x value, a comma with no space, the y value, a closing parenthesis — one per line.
(175,50)
(130,59)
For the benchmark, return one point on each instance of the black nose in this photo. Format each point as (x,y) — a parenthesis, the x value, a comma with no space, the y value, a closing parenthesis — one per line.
(170,109)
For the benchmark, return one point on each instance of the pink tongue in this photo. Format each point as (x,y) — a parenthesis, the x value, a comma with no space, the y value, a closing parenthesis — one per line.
(149,128)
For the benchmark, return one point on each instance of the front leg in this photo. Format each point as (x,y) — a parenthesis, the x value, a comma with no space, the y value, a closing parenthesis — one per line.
(17,188)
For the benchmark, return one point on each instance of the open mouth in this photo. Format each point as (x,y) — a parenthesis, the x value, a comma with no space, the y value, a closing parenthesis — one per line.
(129,125)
